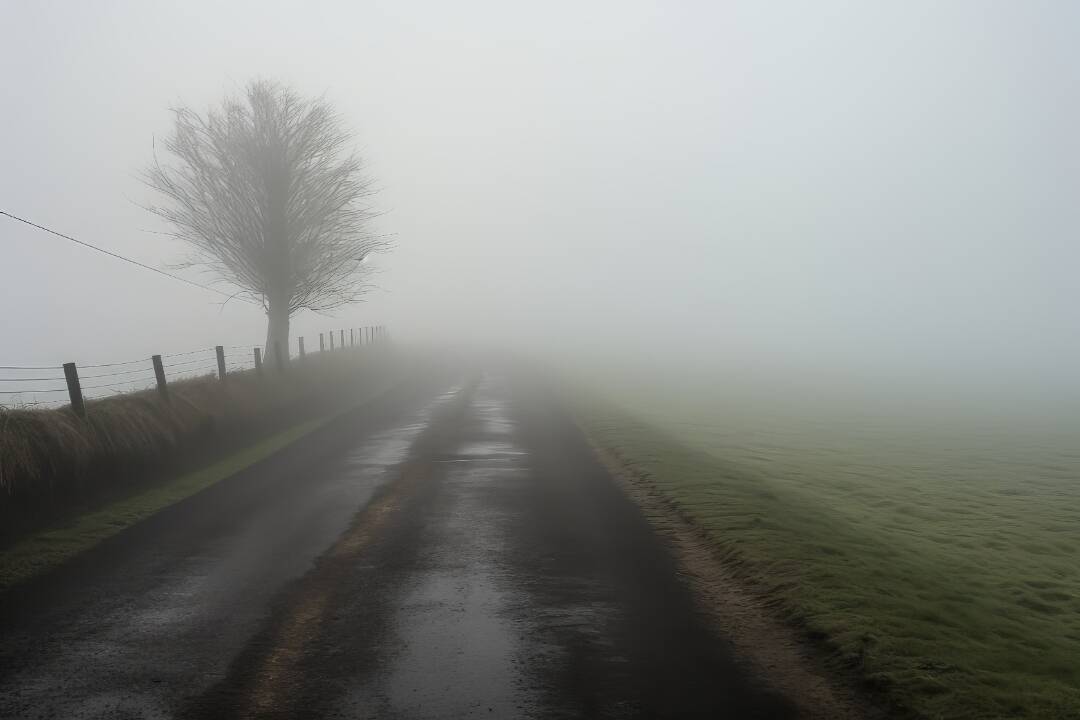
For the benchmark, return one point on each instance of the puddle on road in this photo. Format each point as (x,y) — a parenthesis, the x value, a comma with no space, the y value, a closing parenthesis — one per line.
(392,446)
(492,411)
(462,643)
(488,451)
(458,655)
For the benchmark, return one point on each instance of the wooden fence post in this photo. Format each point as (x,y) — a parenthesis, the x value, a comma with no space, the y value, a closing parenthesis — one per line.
(159,375)
(322,343)
(258,362)
(301,339)
(331,340)
(342,339)
(71,374)
(220,349)
(277,356)
(352,338)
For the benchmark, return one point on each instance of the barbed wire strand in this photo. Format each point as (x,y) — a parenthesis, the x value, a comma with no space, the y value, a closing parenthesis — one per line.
(114,364)
(117,384)
(117,373)
(208,366)
(189,352)
(31,391)
(182,363)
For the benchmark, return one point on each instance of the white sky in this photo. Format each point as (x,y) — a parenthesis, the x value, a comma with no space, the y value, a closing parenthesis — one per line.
(881,188)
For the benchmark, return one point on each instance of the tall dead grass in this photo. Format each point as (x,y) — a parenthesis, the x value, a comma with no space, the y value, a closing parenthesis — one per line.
(52,460)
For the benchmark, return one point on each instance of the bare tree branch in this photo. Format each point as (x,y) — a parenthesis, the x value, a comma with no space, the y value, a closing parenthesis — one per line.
(268,194)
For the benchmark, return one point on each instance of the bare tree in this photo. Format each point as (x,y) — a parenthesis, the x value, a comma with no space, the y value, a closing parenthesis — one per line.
(267,192)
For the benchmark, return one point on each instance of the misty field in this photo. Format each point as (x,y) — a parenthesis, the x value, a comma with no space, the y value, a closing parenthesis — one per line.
(938,554)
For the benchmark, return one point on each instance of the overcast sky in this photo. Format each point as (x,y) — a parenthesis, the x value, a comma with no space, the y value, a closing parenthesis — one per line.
(881,188)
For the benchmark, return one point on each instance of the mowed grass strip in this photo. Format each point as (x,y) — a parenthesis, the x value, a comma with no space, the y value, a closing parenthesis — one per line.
(944,574)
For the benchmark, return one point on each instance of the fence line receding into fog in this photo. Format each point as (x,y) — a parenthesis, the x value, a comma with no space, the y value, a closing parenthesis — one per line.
(53,386)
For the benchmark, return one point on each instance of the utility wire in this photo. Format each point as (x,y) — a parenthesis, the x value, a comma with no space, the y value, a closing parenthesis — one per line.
(125,259)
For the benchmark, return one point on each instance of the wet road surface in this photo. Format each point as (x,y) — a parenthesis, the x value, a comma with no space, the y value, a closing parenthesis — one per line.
(453,551)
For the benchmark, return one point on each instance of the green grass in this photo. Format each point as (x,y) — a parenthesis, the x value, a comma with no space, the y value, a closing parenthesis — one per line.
(46,549)
(939,560)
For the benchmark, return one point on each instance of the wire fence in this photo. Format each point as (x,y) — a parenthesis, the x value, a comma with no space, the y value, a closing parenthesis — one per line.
(73,384)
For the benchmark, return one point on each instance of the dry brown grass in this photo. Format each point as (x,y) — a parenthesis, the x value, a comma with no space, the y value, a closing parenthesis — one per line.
(53,462)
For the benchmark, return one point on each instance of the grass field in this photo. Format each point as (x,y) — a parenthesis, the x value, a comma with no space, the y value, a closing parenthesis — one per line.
(939,557)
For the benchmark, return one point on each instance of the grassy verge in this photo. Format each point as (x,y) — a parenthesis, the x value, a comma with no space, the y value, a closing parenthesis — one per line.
(55,465)
(943,572)
(38,551)
(49,548)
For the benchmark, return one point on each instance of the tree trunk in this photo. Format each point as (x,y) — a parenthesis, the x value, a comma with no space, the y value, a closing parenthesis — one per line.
(277,330)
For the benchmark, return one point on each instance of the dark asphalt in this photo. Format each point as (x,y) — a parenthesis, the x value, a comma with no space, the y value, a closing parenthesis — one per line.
(453,550)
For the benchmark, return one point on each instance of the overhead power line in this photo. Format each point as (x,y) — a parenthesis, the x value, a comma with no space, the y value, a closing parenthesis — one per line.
(126,259)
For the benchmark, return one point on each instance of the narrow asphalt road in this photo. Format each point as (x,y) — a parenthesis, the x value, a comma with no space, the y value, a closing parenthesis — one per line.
(454,550)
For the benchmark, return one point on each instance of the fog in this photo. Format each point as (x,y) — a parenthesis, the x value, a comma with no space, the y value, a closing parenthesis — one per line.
(879,194)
